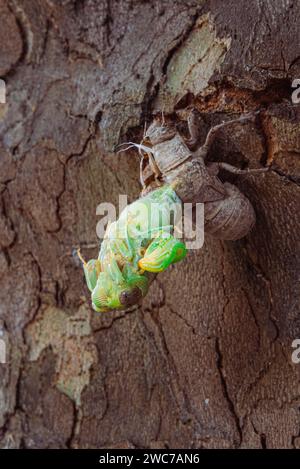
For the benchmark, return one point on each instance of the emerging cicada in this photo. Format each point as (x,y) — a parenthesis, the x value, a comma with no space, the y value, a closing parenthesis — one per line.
(139,242)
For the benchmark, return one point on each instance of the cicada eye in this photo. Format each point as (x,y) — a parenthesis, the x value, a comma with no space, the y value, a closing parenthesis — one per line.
(130,297)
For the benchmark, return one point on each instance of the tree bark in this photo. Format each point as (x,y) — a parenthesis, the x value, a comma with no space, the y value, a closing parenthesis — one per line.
(206,361)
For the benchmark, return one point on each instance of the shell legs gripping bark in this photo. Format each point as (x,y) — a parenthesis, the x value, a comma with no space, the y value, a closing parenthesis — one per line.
(193,125)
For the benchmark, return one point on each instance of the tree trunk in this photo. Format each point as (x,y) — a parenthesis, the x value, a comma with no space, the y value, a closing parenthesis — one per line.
(206,361)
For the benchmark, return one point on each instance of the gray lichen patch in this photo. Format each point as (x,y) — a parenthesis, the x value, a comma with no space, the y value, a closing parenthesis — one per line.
(71,341)
(193,64)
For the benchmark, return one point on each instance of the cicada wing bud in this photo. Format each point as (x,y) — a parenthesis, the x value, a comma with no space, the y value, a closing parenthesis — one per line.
(161,253)
(99,299)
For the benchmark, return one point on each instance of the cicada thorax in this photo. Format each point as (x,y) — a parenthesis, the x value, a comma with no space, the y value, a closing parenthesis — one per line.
(193,183)
(170,154)
(168,151)
(230,218)
(176,165)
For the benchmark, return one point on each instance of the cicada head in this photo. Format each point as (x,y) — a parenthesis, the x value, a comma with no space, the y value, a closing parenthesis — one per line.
(111,293)
(130,297)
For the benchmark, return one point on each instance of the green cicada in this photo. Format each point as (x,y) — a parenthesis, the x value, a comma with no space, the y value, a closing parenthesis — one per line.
(139,242)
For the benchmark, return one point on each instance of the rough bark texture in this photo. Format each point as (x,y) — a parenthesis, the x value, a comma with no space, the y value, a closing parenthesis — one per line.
(206,362)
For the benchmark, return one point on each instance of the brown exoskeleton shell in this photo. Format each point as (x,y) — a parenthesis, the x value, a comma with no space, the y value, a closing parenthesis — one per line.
(228,213)
(231,218)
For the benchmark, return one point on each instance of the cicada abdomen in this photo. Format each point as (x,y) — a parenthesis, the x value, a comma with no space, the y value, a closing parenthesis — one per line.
(230,218)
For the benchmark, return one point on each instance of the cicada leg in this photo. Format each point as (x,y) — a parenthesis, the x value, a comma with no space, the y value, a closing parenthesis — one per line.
(214,169)
(91,270)
(194,129)
(214,130)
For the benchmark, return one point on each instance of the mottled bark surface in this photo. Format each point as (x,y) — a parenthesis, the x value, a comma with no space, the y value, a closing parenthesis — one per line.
(206,362)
